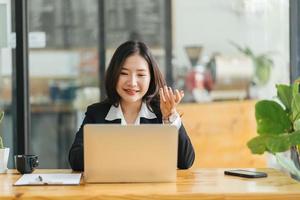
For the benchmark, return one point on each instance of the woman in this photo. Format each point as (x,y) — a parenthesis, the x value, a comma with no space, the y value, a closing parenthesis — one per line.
(136,94)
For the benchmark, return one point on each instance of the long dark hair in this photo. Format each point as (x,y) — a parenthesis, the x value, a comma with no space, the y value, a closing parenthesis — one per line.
(115,66)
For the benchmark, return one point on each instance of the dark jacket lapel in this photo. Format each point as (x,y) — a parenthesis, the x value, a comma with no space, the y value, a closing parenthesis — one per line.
(116,121)
(144,120)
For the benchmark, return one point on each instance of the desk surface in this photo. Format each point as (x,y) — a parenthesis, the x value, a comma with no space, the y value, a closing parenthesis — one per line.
(191,184)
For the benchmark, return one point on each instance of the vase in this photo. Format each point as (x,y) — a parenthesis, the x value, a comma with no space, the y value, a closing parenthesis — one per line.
(4,153)
(296,160)
(290,163)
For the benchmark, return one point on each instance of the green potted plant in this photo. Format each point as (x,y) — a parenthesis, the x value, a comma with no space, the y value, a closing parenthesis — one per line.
(278,127)
(262,62)
(4,151)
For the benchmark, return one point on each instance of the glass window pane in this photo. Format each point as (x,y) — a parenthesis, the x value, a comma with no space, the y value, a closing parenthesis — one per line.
(136,20)
(63,63)
(6,126)
(208,34)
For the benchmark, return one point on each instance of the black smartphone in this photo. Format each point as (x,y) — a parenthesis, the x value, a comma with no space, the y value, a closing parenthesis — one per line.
(245,173)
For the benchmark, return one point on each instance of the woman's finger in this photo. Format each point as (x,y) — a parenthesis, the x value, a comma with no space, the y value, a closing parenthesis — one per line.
(161,94)
(171,95)
(182,93)
(165,103)
(166,93)
(177,96)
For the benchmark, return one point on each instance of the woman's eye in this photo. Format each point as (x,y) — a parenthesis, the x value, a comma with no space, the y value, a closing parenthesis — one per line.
(124,73)
(142,75)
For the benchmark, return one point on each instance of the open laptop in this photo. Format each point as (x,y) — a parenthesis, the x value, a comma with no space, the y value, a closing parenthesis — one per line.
(143,153)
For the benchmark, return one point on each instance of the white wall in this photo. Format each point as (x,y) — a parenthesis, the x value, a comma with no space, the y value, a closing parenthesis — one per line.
(5,26)
(213,23)
(54,63)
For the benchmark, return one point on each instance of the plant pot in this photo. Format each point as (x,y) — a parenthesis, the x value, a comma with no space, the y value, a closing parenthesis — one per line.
(4,153)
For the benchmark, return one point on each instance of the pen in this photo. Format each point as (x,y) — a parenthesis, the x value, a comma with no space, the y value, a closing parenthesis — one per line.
(40,178)
(46,183)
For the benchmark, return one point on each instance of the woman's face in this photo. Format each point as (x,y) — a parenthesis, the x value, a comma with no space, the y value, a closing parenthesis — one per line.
(134,79)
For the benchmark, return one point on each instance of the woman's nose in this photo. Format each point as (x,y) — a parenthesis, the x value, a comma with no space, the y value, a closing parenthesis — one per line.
(133,81)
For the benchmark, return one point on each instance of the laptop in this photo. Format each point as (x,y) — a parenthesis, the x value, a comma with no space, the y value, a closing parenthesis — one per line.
(117,153)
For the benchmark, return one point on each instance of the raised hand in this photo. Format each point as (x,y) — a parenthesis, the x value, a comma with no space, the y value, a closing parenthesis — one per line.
(169,100)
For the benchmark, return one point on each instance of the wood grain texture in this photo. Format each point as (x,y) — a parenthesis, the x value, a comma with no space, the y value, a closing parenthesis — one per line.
(191,184)
(219,132)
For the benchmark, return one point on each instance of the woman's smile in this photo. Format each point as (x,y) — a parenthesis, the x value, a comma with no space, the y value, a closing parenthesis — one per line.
(131,92)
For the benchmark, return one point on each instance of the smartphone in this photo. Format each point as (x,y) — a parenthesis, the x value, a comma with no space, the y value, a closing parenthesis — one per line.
(245,173)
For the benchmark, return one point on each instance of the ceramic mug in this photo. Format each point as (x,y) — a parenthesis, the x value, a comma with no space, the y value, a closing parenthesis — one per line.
(25,164)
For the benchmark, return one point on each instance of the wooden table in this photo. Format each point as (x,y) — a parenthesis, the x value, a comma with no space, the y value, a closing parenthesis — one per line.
(191,184)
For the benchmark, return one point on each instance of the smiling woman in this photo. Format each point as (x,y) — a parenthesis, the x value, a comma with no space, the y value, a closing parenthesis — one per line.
(136,94)
(132,85)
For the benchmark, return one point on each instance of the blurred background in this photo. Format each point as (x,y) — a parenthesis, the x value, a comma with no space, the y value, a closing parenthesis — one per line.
(225,55)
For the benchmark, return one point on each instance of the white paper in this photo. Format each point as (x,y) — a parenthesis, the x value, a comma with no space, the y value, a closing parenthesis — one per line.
(49,179)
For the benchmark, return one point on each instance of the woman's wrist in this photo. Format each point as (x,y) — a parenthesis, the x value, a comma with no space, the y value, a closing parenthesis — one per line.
(167,115)
(171,117)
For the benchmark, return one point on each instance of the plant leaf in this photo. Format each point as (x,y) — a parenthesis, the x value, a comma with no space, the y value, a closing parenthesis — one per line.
(257,145)
(1,116)
(296,102)
(262,69)
(296,107)
(274,143)
(285,95)
(294,138)
(295,87)
(277,144)
(271,119)
(297,125)
(246,51)
(1,143)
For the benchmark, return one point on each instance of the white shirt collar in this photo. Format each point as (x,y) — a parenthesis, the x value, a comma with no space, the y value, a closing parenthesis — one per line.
(116,113)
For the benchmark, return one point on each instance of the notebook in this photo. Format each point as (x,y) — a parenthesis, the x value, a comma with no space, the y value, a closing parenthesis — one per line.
(143,153)
(49,179)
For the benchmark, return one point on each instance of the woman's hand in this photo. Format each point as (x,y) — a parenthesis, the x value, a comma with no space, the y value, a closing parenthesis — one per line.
(169,100)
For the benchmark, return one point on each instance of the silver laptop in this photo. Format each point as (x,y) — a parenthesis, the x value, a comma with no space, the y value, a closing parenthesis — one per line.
(143,153)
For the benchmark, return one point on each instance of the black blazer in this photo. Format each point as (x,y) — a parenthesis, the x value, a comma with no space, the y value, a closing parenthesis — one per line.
(96,114)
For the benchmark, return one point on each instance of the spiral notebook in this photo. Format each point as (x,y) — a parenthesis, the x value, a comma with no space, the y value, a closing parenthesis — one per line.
(49,179)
